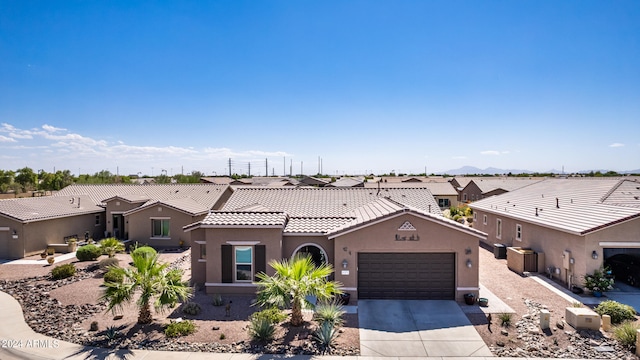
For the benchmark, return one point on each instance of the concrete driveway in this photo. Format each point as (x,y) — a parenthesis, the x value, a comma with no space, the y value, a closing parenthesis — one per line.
(417,328)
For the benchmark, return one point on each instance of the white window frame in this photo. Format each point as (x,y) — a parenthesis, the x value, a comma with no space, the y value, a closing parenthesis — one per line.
(464,197)
(162,219)
(518,232)
(499,228)
(236,263)
(98,220)
(484,219)
(475,217)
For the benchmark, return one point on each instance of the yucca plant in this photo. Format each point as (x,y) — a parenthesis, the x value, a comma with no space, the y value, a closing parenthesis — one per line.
(505,319)
(329,312)
(326,336)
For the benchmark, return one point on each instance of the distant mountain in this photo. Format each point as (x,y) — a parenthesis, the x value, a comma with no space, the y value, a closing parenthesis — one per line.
(471,170)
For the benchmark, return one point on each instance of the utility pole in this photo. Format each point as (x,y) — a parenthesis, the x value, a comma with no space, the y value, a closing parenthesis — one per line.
(229,167)
(249,169)
(266,167)
(301,167)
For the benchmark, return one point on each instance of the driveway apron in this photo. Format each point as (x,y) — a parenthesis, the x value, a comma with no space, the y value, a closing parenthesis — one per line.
(417,328)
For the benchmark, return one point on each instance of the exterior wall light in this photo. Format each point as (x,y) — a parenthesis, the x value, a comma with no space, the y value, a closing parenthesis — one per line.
(594,255)
(345,263)
(469,264)
(14,234)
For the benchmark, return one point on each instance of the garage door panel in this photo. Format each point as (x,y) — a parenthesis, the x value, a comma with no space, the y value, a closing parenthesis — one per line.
(406,276)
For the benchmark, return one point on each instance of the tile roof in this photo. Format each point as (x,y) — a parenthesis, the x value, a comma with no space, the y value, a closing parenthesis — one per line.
(436,188)
(326,202)
(346,182)
(572,205)
(245,218)
(205,194)
(47,207)
(186,205)
(315,225)
(488,185)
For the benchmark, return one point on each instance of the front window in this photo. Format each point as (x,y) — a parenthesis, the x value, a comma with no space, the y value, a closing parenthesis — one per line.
(443,203)
(519,232)
(484,219)
(98,222)
(160,227)
(203,251)
(244,263)
(499,228)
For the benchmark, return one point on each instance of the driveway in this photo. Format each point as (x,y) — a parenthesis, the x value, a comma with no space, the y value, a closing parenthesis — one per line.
(417,328)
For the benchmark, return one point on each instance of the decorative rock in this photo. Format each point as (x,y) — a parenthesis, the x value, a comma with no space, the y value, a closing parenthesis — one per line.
(504,332)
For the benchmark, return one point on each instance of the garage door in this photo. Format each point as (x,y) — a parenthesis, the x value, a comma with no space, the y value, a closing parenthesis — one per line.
(426,276)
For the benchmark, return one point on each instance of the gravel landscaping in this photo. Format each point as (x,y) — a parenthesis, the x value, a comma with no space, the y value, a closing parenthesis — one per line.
(64,309)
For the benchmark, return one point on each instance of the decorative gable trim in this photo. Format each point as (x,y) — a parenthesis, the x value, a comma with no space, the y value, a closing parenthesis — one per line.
(407,226)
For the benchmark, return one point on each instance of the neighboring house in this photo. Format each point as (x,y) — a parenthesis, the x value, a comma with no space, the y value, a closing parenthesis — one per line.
(389,244)
(152,214)
(347,182)
(29,225)
(575,223)
(480,188)
(143,181)
(445,194)
(314,181)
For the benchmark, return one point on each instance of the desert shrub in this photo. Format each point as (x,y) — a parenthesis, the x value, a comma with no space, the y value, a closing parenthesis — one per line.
(261,329)
(618,312)
(325,336)
(113,276)
(93,326)
(146,251)
(88,252)
(181,328)
(111,246)
(330,312)
(191,308)
(577,304)
(217,300)
(505,319)
(105,264)
(63,271)
(112,332)
(626,333)
(223,336)
(272,315)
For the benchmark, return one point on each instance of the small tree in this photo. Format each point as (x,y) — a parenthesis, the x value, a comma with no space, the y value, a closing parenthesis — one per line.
(292,282)
(111,246)
(152,280)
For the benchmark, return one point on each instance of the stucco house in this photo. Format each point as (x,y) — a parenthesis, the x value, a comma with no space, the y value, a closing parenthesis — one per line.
(480,188)
(391,243)
(443,192)
(29,225)
(152,214)
(574,223)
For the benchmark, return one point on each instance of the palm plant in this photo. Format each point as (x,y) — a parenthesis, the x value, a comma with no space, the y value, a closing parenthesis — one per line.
(111,246)
(292,282)
(152,281)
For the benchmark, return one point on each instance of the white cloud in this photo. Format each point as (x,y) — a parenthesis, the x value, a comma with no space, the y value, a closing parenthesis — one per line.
(6,139)
(616,145)
(490,152)
(50,128)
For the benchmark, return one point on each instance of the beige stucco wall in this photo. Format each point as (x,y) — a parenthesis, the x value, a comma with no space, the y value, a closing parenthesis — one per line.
(434,237)
(139,226)
(215,238)
(11,248)
(33,237)
(118,206)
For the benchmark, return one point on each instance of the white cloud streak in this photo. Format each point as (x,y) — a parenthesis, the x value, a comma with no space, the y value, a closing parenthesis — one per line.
(616,145)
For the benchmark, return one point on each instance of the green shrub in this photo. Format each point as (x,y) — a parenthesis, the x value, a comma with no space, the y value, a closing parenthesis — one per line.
(577,304)
(618,312)
(325,336)
(88,252)
(114,275)
(145,251)
(505,319)
(181,328)
(191,308)
(626,333)
(94,326)
(261,329)
(105,264)
(112,332)
(330,312)
(111,246)
(223,336)
(272,315)
(63,271)
(217,300)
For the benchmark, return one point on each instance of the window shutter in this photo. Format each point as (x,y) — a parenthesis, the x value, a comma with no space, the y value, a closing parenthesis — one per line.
(260,259)
(227,263)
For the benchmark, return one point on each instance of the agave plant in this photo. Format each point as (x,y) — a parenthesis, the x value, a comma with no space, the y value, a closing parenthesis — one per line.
(326,336)
(329,312)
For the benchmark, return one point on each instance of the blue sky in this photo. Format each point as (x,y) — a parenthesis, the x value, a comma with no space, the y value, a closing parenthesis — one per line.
(368,86)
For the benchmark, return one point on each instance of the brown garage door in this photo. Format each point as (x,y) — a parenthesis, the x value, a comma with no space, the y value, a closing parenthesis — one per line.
(428,276)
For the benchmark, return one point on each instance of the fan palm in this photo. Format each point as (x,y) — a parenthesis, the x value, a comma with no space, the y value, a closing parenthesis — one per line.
(292,282)
(152,280)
